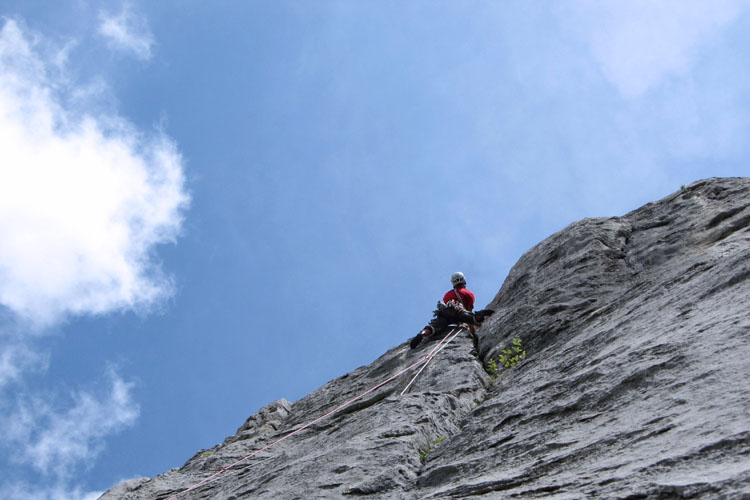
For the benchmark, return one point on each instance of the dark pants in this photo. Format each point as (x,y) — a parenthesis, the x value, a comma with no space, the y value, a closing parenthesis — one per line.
(446,316)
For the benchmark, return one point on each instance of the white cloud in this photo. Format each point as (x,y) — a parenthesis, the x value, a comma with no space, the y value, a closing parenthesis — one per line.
(16,359)
(83,199)
(128,32)
(640,43)
(55,442)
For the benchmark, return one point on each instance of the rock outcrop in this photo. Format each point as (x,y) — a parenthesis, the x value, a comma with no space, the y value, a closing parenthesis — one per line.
(635,383)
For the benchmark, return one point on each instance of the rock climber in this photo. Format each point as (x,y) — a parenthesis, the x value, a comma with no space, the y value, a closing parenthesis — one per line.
(456,307)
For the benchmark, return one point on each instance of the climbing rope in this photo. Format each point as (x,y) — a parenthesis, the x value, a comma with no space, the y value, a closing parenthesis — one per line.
(423,360)
(454,333)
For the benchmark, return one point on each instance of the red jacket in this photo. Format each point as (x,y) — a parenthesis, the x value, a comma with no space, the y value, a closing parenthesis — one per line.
(467,298)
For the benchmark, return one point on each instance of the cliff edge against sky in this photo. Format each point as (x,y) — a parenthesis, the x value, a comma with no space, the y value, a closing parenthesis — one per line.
(635,384)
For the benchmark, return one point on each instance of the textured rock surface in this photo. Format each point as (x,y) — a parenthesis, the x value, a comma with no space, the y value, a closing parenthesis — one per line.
(635,384)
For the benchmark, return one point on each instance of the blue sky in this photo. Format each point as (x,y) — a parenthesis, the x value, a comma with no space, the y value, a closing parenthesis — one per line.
(208,206)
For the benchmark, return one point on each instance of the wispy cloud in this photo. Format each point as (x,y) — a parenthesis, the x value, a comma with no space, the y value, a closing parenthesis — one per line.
(55,442)
(16,359)
(24,491)
(640,43)
(127,31)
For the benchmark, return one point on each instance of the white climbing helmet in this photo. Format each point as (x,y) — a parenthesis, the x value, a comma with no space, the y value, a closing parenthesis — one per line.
(458,279)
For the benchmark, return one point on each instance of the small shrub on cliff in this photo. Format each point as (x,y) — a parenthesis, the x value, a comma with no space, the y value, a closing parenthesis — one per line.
(513,355)
(423,454)
(508,358)
(492,367)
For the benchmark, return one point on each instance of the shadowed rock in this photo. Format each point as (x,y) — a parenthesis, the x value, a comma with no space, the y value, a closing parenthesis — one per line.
(635,384)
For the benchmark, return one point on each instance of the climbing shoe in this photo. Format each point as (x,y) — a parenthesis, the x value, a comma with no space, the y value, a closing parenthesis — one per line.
(482,315)
(416,340)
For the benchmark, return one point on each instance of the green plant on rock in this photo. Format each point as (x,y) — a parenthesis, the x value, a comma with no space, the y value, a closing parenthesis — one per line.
(513,355)
(508,358)
(423,454)
(492,367)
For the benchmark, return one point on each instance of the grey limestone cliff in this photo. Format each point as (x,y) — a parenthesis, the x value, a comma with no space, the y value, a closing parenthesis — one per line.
(635,384)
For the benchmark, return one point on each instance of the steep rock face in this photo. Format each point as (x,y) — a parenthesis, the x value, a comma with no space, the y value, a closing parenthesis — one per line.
(635,384)
(370,447)
(638,333)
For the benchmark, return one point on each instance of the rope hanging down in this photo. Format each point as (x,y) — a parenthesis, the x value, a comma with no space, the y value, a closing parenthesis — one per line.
(454,333)
(424,359)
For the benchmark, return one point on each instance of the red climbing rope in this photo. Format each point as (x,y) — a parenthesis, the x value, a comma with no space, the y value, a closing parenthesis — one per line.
(221,471)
